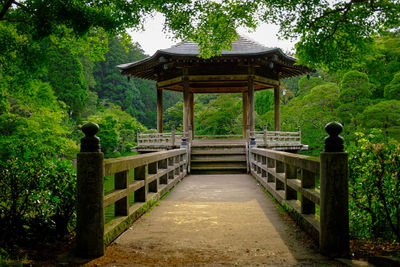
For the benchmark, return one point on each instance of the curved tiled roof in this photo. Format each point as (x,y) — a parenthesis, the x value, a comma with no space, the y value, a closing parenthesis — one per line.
(242,46)
(242,49)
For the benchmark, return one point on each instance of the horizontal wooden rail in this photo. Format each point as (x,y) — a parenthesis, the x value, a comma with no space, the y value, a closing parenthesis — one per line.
(218,136)
(292,180)
(160,140)
(154,174)
(276,139)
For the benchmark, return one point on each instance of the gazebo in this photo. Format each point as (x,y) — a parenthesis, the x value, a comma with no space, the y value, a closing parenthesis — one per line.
(247,68)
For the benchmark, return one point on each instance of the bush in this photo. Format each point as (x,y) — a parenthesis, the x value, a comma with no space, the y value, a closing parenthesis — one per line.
(37,199)
(374,187)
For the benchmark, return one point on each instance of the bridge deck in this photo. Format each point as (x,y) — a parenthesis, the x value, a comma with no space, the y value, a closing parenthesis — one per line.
(213,220)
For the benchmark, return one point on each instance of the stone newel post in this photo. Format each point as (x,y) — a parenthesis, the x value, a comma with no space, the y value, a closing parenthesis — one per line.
(90,183)
(334,212)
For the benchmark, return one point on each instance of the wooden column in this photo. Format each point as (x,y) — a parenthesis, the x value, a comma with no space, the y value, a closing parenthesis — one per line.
(277,108)
(244,111)
(250,103)
(191,111)
(186,103)
(159,110)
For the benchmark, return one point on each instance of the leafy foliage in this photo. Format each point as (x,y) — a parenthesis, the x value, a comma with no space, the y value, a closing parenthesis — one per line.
(374,187)
(117,130)
(221,116)
(36,197)
(392,90)
(354,95)
(385,116)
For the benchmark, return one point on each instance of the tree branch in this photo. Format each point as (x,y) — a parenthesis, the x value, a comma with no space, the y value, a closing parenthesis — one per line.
(5,8)
(345,9)
(15,20)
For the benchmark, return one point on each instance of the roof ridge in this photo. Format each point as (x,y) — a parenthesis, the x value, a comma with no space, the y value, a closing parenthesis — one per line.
(246,37)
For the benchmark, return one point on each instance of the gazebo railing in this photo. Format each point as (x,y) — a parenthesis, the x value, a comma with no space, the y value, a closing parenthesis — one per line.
(218,136)
(160,139)
(276,138)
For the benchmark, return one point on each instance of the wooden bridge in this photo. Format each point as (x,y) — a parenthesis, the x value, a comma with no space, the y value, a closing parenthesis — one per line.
(314,191)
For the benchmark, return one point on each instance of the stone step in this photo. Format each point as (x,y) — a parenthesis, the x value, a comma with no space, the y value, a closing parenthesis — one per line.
(218,151)
(218,158)
(218,165)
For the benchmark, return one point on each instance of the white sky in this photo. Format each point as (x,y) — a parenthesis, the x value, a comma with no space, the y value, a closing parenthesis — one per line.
(153,38)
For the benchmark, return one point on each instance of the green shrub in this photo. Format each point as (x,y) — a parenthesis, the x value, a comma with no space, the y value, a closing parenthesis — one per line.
(37,199)
(374,187)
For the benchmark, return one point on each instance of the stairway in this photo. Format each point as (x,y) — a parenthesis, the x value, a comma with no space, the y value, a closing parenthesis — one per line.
(218,157)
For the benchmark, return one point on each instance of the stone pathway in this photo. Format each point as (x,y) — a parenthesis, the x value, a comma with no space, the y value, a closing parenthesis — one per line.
(213,220)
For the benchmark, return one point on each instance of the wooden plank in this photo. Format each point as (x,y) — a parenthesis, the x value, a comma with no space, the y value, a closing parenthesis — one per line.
(265,80)
(170,82)
(112,166)
(235,77)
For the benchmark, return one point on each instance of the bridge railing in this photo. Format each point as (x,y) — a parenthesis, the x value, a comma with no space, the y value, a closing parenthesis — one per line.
(315,190)
(218,136)
(292,179)
(160,139)
(154,174)
(276,138)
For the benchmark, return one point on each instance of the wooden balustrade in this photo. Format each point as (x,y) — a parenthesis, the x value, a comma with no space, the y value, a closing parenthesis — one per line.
(218,136)
(154,175)
(160,140)
(277,139)
(291,179)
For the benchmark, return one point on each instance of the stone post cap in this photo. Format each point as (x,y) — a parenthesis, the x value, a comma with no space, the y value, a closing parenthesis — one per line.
(90,129)
(183,143)
(253,142)
(90,143)
(334,142)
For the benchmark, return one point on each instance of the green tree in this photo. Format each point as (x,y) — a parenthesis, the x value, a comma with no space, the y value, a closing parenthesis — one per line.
(392,90)
(332,35)
(385,116)
(307,83)
(173,117)
(65,74)
(355,93)
(374,187)
(263,101)
(117,130)
(221,116)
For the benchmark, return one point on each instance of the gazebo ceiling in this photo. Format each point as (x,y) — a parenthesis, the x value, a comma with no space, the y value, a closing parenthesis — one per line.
(228,72)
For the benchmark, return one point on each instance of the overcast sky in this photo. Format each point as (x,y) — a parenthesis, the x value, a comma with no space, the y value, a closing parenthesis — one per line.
(153,38)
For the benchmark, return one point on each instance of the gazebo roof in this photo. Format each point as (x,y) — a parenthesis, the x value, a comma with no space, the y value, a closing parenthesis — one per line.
(166,64)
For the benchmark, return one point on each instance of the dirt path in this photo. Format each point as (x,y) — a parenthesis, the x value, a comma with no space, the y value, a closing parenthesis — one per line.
(214,220)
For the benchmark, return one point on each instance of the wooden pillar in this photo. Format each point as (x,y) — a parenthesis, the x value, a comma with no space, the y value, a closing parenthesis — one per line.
(186,102)
(250,103)
(244,111)
(159,110)
(277,108)
(191,111)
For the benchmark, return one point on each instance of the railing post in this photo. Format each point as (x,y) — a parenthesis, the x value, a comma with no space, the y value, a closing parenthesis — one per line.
(184,145)
(299,132)
(265,135)
(90,186)
(334,214)
(138,136)
(172,136)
